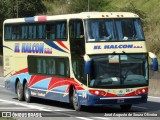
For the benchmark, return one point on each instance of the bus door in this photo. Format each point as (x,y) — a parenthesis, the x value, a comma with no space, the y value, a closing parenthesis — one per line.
(77,41)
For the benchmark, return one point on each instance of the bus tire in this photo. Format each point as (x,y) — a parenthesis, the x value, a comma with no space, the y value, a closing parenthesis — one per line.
(126,107)
(27,95)
(20,91)
(76,104)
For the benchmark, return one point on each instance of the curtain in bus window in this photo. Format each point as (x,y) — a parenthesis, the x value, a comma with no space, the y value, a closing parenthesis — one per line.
(8,32)
(39,66)
(63,31)
(41,31)
(61,71)
(15,32)
(24,31)
(51,67)
(119,28)
(32,32)
(58,30)
(138,29)
(95,30)
(109,28)
(44,66)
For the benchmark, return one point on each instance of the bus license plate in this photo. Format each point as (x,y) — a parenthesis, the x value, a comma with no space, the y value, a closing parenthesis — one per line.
(120,101)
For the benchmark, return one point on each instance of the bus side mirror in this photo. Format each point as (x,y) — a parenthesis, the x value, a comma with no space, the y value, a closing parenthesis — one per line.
(87,67)
(154,61)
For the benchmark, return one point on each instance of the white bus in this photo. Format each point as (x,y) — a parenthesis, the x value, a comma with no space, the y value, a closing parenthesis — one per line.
(85,59)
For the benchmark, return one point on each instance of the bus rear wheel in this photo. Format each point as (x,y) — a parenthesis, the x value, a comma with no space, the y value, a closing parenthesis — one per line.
(76,104)
(126,107)
(20,91)
(27,96)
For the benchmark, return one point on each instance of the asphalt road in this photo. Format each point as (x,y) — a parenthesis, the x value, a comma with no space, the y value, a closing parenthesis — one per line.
(49,109)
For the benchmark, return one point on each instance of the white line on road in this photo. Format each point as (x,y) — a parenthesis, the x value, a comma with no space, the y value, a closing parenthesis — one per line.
(84,118)
(102,118)
(15,108)
(154,97)
(2,86)
(65,110)
(26,105)
(140,107)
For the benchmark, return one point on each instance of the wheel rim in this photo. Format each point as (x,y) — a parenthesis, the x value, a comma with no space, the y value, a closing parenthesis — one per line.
(26,92)
(18,90)
(75,99)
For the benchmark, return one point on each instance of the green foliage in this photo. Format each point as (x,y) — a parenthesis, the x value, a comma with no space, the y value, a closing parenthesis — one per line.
(77,6)
(132,8)
(19,8)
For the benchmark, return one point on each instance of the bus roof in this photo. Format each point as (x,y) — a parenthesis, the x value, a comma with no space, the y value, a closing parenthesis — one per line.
(82,15)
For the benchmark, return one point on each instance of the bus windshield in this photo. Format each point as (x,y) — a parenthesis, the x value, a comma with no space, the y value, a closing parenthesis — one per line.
(119,70)
(114,29)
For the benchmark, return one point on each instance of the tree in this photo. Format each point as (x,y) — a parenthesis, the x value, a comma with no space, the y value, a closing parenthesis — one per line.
(19,8)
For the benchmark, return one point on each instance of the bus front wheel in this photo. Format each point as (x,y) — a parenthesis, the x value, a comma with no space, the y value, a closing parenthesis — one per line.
(76,104)
(20,91)
(126,107)
(27,96)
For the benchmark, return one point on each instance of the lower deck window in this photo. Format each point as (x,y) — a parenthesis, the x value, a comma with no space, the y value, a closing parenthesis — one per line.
(48,65)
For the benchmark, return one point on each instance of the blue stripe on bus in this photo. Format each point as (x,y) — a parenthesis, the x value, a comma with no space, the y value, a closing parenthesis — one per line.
(53,45)
(29,19)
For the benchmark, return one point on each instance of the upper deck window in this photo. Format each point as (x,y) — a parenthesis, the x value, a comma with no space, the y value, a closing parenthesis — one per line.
(100,30)
(114,29)
(129,29)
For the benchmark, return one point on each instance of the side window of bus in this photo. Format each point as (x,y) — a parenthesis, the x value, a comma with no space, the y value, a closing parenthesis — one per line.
(76,29)
(48,66)
(78,69)
(16,32)
(8,32)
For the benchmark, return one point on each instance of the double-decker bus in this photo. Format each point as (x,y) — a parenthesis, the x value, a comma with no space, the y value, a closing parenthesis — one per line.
(85,59)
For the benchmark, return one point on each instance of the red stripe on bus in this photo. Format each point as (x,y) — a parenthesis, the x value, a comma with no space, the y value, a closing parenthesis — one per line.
(35,78)
(21,71)
(61,43)
(42,18)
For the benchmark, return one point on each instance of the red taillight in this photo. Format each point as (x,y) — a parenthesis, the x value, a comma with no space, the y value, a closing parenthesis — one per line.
(98,92)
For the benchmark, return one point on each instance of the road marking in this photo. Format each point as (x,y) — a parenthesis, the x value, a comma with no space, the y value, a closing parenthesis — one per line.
(15,108)
(65,110)
(154,97)
(140,107)
(102,118)
(2,86)
(26,105)
(84,118)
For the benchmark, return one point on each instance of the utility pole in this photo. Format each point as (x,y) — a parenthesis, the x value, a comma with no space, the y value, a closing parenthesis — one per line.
(88,5)
(17,7)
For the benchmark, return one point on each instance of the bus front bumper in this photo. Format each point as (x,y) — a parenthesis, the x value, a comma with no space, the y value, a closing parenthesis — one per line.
(105,101)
